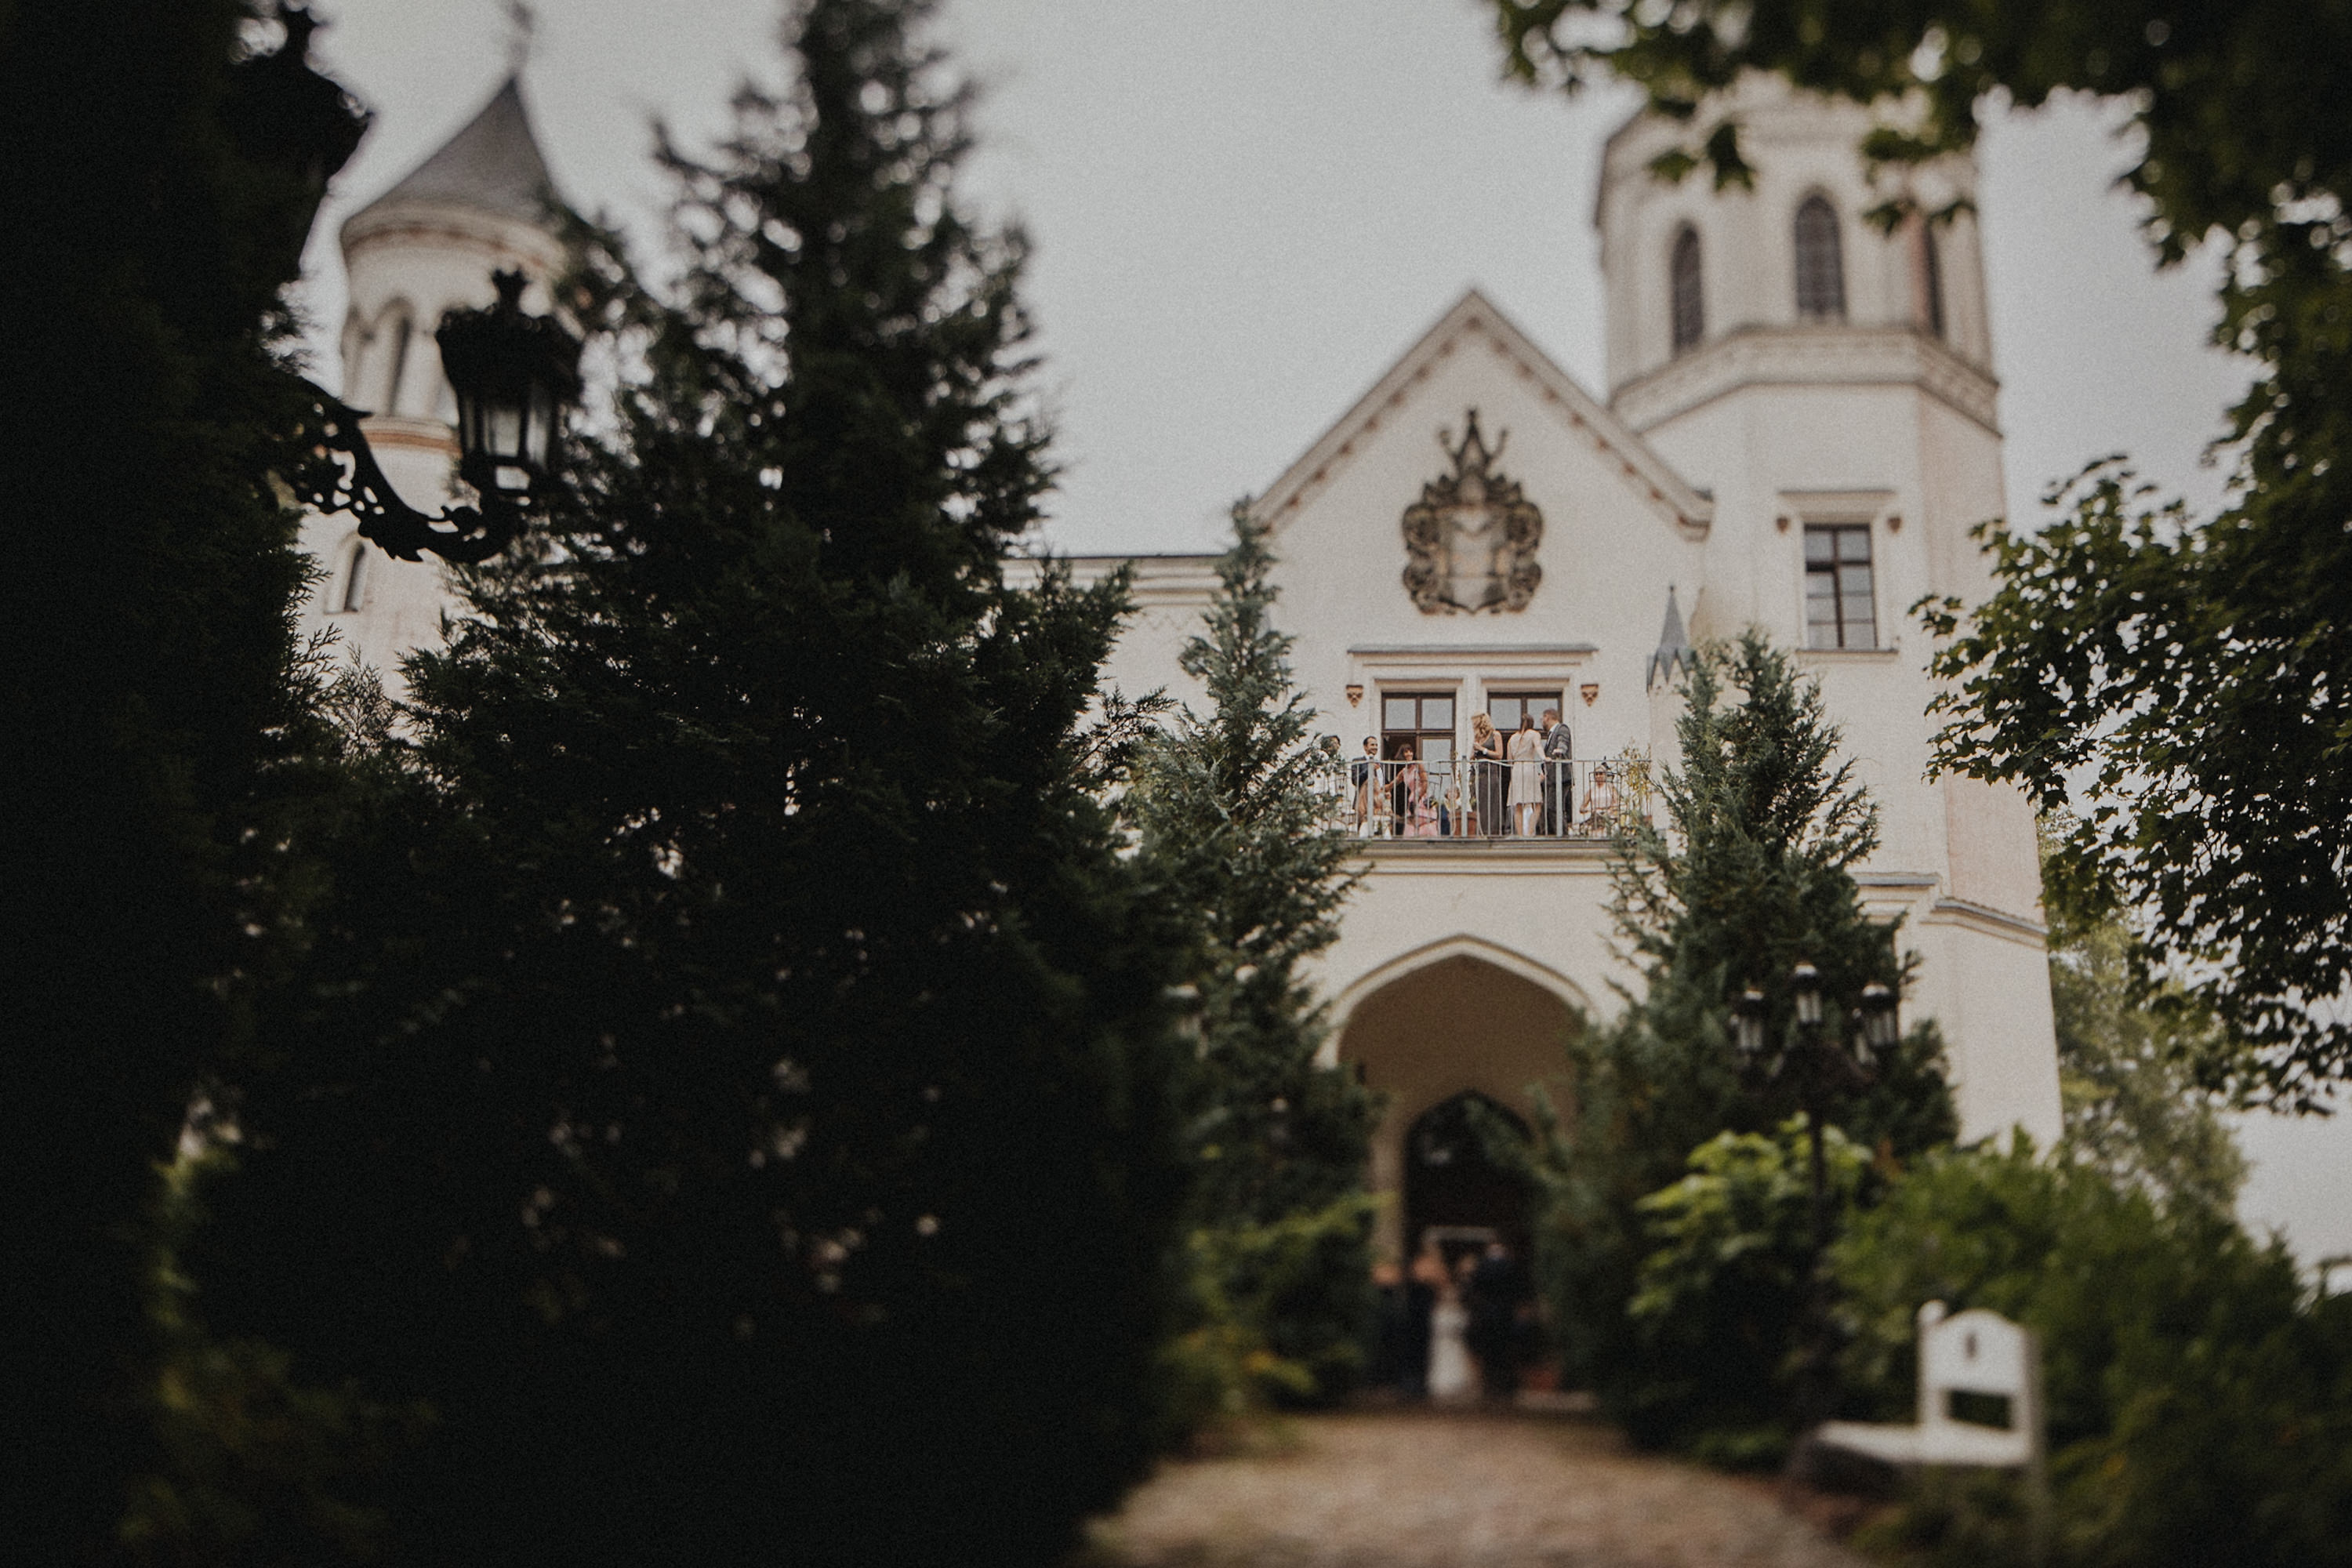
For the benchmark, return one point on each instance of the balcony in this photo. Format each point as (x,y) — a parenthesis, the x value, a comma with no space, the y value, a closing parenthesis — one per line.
(1399,806)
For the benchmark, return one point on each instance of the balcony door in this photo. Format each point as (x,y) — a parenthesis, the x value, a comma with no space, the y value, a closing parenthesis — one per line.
(1422,720)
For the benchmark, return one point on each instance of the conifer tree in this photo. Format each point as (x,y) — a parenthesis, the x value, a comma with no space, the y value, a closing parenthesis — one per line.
(742,1109)
(1233,811)
(1753,870)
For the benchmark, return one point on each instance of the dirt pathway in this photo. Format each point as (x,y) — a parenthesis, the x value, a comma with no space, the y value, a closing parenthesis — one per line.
(1412,1489)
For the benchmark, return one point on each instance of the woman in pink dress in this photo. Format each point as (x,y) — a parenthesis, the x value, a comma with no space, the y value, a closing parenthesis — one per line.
(1420,805)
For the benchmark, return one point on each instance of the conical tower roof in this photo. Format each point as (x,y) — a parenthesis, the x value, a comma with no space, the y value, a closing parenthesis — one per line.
(493,165)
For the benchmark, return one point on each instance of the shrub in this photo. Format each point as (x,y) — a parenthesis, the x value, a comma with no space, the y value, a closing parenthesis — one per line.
(1720,1299)
(2200,1400)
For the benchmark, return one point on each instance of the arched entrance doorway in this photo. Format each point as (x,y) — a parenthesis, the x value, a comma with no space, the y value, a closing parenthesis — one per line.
(1458,1024)
(1457,1194)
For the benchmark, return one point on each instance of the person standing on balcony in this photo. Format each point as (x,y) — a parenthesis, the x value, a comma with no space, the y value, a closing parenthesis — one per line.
(1364,779)
(1486,781)
(1416,807)
(1559,789)
(1527,776)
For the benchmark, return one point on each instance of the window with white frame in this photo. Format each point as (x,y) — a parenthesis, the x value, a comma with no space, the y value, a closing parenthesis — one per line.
(1839,609)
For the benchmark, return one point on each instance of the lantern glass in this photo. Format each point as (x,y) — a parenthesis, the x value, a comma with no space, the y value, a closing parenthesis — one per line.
(1879,1024)
(505,430)
(1748,1022)
(1808,983)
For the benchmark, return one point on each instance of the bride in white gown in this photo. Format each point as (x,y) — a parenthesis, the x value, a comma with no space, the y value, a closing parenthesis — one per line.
(1453,1377)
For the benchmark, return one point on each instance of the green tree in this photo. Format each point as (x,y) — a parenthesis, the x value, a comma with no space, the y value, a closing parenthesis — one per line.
(1232,809)
(2182,679)
(2126,1072)
(737,1089)
(164,165)
(1753,871)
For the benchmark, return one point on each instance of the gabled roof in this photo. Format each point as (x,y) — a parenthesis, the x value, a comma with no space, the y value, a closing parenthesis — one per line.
(1474,319)
(492,166)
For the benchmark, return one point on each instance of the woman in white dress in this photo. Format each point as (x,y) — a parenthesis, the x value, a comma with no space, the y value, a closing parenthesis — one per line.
(1453,1376)
(1526,776)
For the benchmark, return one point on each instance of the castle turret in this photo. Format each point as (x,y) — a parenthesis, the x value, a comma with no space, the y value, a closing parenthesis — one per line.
(483,201)
(1829,383)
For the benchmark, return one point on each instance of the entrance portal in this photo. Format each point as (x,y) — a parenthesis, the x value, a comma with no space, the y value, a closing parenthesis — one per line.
(1436,1038)
(1456,1193)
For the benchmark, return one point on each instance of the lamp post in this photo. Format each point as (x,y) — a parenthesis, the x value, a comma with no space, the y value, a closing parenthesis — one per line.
(1815,1063)
(514,375)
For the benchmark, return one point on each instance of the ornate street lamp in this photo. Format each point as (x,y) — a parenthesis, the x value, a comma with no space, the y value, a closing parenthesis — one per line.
(1819,1065)
(514,375)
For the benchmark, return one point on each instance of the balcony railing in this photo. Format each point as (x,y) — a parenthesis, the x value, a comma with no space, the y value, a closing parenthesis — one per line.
(1493,801)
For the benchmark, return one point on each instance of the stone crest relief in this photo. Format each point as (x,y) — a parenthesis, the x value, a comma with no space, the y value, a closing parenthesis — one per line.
(1470,541)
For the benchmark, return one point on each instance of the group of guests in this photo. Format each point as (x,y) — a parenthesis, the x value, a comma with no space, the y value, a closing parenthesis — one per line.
(1517,785)
(1454,1335)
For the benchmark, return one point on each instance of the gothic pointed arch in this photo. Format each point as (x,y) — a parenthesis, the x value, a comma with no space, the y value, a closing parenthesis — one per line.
(1820,261)
(1686,290)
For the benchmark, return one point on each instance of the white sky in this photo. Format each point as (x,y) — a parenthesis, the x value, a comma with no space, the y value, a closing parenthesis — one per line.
(1243,210)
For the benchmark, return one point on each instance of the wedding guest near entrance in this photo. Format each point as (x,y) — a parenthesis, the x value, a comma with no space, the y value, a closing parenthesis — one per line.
(1527,776)
(1487,782)
(1501,1300)
(1364,778)
(1559,789)
(1392,1371)
(1425,1282)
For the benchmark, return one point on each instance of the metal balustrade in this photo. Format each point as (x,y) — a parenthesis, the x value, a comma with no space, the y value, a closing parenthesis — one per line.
(1471,799)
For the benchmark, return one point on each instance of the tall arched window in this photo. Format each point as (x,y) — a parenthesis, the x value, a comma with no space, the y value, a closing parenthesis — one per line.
(354,571)
(404,328)
(1931,278)
(1689,302)
(1820,269)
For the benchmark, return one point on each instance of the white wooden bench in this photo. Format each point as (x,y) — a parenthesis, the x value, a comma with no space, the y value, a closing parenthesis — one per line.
(1975,1352)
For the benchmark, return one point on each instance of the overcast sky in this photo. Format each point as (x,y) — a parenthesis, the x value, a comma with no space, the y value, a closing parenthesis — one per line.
(1244,210)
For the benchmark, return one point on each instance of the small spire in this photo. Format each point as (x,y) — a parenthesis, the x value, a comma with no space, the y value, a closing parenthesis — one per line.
(522,23)
(1673,653)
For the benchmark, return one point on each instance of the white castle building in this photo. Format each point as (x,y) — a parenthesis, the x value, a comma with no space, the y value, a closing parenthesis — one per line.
(1799,431)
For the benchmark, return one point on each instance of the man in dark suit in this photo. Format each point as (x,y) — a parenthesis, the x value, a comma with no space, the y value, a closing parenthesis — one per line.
(1360,775)
(1560,788)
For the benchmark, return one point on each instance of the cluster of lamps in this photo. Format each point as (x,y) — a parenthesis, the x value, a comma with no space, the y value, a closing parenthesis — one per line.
(1873,1015)
(514,375)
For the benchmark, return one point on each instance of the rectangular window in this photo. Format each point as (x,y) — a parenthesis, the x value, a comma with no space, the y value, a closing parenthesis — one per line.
(1838,612)
(1506,707)
(1422,720)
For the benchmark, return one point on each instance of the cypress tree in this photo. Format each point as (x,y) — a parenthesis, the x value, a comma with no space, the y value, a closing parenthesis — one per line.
(738,1097)
(1234,812)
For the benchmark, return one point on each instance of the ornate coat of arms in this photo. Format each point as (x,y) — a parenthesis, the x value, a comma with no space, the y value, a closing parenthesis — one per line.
(1470,541)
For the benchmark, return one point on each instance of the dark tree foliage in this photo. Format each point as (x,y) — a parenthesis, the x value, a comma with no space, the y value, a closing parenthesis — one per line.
(2192,673)
(737,1096)
(1233,812)
(163,165)
(1753,871)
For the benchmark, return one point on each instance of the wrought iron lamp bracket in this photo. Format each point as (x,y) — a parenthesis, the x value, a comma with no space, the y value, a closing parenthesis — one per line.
(345,477)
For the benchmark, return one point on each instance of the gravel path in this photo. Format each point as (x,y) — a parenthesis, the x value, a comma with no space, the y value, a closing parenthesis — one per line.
(1415,1489)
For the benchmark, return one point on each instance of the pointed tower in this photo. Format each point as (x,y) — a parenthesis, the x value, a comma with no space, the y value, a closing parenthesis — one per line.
(428,244)
(1830,386)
